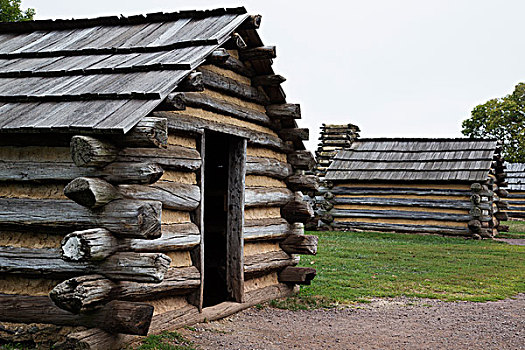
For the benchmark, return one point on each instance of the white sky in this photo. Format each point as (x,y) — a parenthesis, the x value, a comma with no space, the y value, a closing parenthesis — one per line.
(412,68)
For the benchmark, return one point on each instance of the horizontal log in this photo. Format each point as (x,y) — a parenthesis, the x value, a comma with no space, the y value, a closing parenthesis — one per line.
(303,183)
(262,264)
(258,53)
(149,132)
(115,317)
(267,167)
(268,80)
(38,171)
(503,216)
(93,244)
(91,192)
(172,195)
(230,63)
(398,214)
(423,203)
(264,229)
(189,124)
(295,134)
(173,157)
(284,111)
(302,160)
(435,229)
(181,100)
(142,267)
(89,292)
(192,82)
(475,225)
(297,210)
(87,151)
(125,217)
(235,42)
(98,244)
(219,55)
(402,191)
(232,87)
(257,197)
(300,244)
(297,275)
(252,22)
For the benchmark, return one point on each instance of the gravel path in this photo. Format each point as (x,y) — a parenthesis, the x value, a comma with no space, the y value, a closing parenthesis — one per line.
(513,241)
(398,323)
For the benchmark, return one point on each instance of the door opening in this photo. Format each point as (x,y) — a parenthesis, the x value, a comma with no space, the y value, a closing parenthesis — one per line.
(224,167)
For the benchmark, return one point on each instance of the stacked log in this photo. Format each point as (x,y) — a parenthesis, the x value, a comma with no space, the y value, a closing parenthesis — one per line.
(515,192)
(497,182)
(332,139)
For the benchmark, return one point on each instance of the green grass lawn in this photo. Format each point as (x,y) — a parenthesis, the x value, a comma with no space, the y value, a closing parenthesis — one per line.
(516,229)
(357,266)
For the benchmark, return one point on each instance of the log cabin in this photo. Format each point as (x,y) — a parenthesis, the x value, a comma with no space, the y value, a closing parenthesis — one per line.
(151,176)
(515,190)
(332,139)
(440,186)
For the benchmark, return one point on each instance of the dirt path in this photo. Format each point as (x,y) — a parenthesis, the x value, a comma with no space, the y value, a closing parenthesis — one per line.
(398,323)
(513,241)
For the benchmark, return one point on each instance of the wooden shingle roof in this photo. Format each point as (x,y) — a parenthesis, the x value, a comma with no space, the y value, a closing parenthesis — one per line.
(101,75)
(413,160)
(515,176)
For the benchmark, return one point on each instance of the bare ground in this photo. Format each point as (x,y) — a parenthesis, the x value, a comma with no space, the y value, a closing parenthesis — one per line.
(398,323)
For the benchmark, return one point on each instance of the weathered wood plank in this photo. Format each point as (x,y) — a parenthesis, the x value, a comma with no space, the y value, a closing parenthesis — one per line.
(435,229)
(149,132)
(125,217)
(303,182)
(145,267)
(297,275)
(115,317)
(297,210)
(268,167)
(257,197)
(266,229)
(262,264)
(301,159)
(300,244)
(258,53)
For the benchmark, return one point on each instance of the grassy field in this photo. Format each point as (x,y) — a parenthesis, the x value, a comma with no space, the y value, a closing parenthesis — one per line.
(516,229)
(357,266)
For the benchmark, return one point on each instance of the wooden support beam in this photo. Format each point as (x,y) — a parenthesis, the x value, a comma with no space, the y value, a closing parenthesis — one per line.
(190,124)
(303,182)
(257,197)
(300,244)
(87,151)
(297,275)
(268,80)
(129,218)
(268,167)
(84,293)
(258,53)
(262,264)
(176,101)
(302,160)
(219,55)
(172,195)
(193,82)
(114,317)
(142,267)
(174,237)
(266,229)
(149,132)
(173,157)
(91,192)
(295,134)
(232,87)
(38,171)
(297,210)
(235,42)
(284,111)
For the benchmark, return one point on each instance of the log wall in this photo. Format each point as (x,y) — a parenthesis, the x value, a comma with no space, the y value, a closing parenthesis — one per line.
(451,209)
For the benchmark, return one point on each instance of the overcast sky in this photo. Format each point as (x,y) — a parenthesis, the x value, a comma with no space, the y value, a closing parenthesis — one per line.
(395,68)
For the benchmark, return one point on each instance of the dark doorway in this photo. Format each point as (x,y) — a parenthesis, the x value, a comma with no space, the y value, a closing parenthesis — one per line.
(224,166)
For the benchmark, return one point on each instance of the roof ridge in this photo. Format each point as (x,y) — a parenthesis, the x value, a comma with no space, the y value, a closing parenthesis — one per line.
(61,24)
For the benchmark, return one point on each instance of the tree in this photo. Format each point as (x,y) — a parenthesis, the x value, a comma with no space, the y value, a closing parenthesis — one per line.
(10,11)
(503,119)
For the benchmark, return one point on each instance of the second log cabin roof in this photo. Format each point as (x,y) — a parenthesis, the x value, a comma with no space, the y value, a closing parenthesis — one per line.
(399,159)
(101,75)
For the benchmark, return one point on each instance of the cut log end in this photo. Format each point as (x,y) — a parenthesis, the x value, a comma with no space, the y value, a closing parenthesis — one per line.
(87,151)
(297,275)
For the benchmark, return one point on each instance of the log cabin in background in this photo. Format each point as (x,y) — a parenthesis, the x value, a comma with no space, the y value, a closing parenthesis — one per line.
(151,175)
(442,186)
(516,190)
(332,139)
